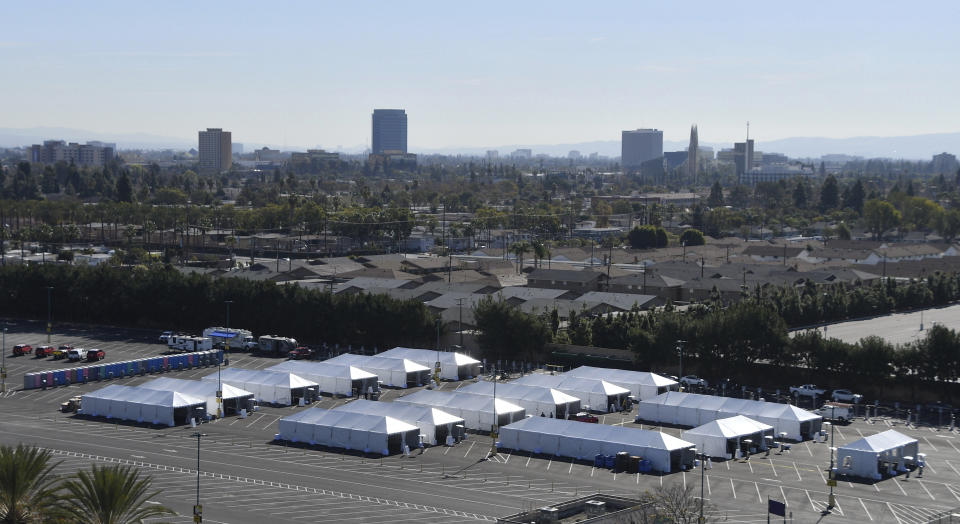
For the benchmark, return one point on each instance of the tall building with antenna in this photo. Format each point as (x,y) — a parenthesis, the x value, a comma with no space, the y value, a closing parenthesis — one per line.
(692,158)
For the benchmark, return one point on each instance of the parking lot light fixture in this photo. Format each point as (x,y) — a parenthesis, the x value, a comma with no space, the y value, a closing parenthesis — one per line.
(197,511)
(49,313)
(3,363)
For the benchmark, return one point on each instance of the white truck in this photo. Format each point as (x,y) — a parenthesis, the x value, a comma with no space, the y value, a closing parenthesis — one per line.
(76,354)
(837,411)
(275,345)
(189,343)
(235,337)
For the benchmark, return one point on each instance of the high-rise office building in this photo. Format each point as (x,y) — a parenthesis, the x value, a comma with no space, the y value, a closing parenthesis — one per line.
(216,150)
(389,131)
(640,146)
(743,156)
(93,153)
(692,158)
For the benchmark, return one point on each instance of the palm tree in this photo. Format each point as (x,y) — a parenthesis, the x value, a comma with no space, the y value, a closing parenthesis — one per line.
(27,485)
(520,249)
(111,495)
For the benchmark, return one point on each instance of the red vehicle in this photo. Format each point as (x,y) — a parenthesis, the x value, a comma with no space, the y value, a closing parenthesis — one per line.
(22,349)
(300,353)
(43,351)
(94,355)
(583,416)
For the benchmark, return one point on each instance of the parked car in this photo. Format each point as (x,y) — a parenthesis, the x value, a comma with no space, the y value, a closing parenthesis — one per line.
(837,411)
(693,380)
(94,355)
(165,336)
(583,416)
(807,390)
(22,349)
(845,395)
(76,354)
(61,352)
(71,405)
(43,351)
(300,353)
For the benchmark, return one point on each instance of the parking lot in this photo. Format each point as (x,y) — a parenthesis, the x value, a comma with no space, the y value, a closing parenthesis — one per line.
(249,478)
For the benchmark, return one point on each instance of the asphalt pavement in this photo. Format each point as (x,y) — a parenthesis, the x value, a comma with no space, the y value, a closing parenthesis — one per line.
(247,477)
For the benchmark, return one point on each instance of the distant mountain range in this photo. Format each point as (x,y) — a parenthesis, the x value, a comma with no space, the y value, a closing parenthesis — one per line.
(918,147)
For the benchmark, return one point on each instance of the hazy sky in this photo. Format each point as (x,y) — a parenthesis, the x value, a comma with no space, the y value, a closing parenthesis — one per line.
(482,73)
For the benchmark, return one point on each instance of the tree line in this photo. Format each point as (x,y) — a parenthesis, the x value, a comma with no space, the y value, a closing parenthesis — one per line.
(162,297)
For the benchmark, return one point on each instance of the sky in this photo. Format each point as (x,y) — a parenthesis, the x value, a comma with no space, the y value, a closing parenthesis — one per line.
(482,73)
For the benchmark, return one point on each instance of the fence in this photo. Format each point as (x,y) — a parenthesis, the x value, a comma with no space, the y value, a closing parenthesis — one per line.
(126,368)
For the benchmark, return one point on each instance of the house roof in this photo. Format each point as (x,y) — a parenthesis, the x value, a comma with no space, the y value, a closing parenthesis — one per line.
(564,275)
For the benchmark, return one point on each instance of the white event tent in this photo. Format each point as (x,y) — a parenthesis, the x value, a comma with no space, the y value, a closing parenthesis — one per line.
(453,366)
(141,404)
(691,409)
(234,399)
(336,379)
(434,423)
(343,429)
(477,411)
(536,400)
(569,438)
(393,372)
(275,387)
(595,394)
(642,384)
(722,438)
(872,456)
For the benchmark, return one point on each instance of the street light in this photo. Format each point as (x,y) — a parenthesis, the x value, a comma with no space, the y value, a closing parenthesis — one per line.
(493,427)
(49,314)
(832,501)
(460,322)
(680,352)
(198,509)
(703,466)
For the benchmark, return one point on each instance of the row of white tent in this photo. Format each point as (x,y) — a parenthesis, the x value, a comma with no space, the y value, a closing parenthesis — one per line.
(594,394)
(888,452)
(453,365)
(335,379)
(435,425)
(349,430)
(477,411)
(642,384)
(275,387)
(535,400)
(690,409)
(164,400)
(393,372)
(580,440)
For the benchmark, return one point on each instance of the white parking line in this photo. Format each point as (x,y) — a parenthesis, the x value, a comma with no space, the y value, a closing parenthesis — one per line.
(472,443)
(925,489)
(773,468)
(894,513)
(925,439)
(795,468)
(865,510)
(731,488)
(840,433)
(896,482)
(759,497)
(805,443)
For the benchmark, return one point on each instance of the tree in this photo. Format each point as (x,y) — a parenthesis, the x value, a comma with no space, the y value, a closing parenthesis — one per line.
(520,249)
(675,503)
(508,333)
(843,231)
(124,188)
(646,237)
(692,237)
(829,194)
(800,195)
(880,216)
(111,495)
(27,485)
(853,196)
(716,195)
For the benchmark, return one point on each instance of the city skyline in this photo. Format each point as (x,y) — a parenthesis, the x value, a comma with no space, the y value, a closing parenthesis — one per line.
(140,69)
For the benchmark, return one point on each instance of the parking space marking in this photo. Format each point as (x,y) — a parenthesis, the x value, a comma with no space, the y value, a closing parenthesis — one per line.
(839,433)
(807,445)
(896,482)
(925,439)
(732,488)
(795,468)
(865,510)
(926,490)
(773,468)
(472,443)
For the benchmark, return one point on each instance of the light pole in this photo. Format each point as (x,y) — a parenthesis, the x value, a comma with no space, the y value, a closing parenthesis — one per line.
(49,313)
(3,366)
(832,501)
(493,427)
(436,367)
(228,302)
(703,466)
(198,509)
(460,322)
(680,352)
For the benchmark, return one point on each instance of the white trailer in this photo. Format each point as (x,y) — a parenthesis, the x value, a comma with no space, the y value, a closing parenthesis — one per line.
(189,343)
(236,338)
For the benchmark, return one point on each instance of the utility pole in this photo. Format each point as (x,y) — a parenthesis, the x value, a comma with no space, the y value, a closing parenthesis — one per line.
(832,501)
(703,466)
(680,352)
(460,322)
(3,366)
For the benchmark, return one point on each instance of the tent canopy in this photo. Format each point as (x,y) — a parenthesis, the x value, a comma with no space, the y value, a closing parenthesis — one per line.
(880,442)
(731,427)
(323,369)
(197,388)
(378,362)
(262,377)
(510,390)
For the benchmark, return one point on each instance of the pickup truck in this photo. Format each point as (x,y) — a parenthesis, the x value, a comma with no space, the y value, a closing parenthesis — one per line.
(22,349)
(807,390)
(94,355)
(583,416)
(43,351)
(61,352)
(300,353)
(76,354)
